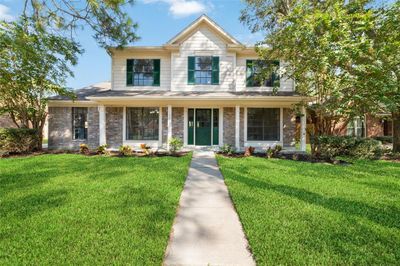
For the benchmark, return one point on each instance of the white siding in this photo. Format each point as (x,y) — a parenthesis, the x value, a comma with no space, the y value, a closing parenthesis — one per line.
(119,70)
(174,66)
(285,83)
(203,42)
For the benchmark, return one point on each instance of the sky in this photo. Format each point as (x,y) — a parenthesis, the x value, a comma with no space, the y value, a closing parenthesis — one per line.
(159,21)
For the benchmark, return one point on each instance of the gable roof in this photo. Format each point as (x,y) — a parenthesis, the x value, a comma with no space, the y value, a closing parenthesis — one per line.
(210,23)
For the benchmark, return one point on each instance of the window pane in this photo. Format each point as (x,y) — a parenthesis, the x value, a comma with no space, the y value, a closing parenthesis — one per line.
(203,69)
(142,123)
(143,72)
(79,122)
(263,124)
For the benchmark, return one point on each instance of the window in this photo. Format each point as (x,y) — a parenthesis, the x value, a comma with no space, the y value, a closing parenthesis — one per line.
(143,72)
(254,78)
(263,124)
(203,70)
(79,122)
(356,128)
(142,123)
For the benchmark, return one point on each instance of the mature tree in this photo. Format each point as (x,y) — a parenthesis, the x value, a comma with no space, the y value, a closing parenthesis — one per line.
(107,18)
(33,64)
(326,44)
(384,72)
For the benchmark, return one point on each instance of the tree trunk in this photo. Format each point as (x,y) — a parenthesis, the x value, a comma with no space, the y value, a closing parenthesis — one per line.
(396,131)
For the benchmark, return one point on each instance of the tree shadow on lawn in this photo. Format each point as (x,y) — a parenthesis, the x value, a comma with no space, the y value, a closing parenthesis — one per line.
(388,216)
(32,204)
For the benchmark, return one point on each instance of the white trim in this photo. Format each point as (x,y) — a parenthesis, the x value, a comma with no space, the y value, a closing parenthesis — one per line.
(102,125)
(169,125)
(237,127)
(281,124)
(160,128)
(124,125)
(221,127)
(303,125)
(245,125)
(268,143)
(185,126)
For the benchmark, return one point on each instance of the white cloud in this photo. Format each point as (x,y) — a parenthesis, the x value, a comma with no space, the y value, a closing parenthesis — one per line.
(5,13)
(182,8)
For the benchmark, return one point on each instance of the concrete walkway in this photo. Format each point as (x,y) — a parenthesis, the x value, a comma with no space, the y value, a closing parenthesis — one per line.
(207,230)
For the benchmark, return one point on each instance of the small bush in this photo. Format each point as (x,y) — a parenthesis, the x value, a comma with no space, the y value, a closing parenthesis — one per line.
(175,145)
(227,149)
(18,140)
(102,150)
(145,148)
(364,148)
(84,149)
(384,139)
(272,152)
(125,150)
(249,151)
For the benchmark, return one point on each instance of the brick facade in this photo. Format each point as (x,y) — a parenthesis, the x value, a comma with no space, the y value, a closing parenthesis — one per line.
(289,128)
(229,125)
(114,127)
(60,128)
(177,122)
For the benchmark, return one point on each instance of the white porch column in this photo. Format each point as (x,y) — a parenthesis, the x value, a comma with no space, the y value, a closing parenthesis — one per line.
(237,127)
(303,125)
(102,125)
(169,125)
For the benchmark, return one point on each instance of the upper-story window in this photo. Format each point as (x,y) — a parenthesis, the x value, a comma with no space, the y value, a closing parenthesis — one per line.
(203,70)
(253,70)
(79,122)
(143,72)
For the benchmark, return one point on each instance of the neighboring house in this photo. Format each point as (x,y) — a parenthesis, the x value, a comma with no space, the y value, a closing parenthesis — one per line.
(370,126)
(198,87)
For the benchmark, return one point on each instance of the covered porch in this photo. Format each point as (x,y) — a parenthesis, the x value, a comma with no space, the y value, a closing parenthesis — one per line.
(200,119)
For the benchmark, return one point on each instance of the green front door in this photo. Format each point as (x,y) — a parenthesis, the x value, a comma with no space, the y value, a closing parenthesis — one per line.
(203,126)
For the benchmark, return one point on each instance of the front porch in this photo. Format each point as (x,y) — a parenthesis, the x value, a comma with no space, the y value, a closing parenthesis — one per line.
(198,127)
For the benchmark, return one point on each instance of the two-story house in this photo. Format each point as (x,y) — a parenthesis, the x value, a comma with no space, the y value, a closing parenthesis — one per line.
(198,87)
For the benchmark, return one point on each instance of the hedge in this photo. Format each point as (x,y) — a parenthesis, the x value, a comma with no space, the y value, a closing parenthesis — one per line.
(362,148)
(18,140)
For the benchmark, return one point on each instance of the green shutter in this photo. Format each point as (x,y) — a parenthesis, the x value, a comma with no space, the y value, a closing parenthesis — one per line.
(215,70)
(275,76)
(249,73)
(191,63)
(156,72)
(129,72)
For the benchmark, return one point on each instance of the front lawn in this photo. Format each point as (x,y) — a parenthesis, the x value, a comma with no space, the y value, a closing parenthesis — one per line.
(73,209)
(303,213)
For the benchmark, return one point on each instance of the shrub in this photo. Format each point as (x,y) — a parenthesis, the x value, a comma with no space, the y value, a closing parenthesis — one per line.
(145,148)
(227,149)
(175,145)
(384,139)
(102,150)
(84,149)
(332,146)
(125,150)
(18,140)
(273,152)
(249,151)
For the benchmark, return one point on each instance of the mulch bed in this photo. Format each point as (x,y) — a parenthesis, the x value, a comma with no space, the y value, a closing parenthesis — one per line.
(110,154)
(294,156)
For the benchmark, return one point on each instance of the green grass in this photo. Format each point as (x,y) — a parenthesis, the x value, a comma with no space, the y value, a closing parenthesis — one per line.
(72,209)
(302,213)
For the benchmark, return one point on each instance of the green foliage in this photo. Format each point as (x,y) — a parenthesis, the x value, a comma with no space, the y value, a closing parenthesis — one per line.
(108,19)
(273,151)
(175,144)
(94,205)
(18,140)
(320,214)
(84,149)
(384,139)
(125,150)
(332,146)
(102,150)
(33,65)
(227,149)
